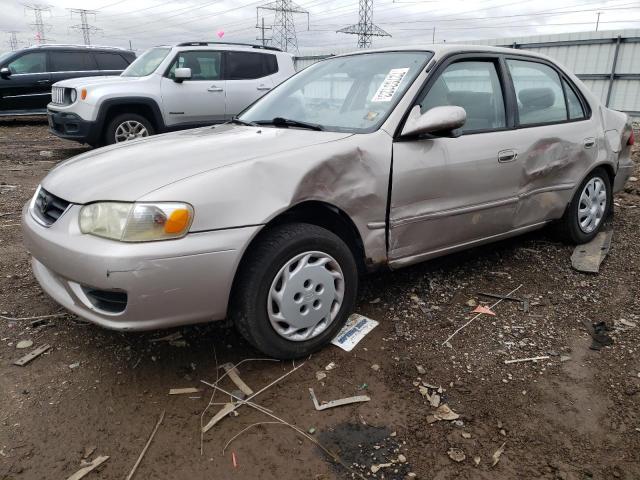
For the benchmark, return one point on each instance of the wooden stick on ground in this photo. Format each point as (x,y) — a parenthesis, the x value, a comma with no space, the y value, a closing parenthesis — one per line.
(144,450)
(84,470)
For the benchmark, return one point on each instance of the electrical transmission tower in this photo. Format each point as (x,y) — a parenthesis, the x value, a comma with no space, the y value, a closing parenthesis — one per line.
(39,25)
(365,28)
(283,30)
(87,29)
(260,26)
(13,40)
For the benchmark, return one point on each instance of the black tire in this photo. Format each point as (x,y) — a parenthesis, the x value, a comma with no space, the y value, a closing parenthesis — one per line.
(110,132)
(278,245)
(568,226)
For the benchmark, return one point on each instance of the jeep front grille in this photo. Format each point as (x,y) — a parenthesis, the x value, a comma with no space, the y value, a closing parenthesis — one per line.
(48,208)
(57,95)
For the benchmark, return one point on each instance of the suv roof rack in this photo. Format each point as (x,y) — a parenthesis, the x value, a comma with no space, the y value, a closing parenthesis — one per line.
(76,45)
(204,44)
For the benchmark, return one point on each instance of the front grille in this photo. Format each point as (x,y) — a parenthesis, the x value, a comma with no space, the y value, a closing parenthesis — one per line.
(107,300)
(48,208)
(57,95)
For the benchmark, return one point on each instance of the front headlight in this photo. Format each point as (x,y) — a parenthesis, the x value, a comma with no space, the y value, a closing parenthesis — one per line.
(136,222)
(73,95)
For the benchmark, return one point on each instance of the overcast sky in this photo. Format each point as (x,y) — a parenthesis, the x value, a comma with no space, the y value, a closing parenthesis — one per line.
(145,23)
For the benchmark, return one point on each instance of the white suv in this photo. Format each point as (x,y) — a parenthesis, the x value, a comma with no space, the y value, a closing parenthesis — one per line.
(167,88)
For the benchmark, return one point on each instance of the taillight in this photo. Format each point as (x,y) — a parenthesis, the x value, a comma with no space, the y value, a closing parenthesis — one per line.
(631,140)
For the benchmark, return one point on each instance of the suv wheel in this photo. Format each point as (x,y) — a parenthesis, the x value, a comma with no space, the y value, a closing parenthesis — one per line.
(295,290)
(589,208)
(127,126)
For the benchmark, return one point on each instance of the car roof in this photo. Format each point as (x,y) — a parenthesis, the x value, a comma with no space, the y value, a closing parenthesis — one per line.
(442,49)
(71,46)
(224,46)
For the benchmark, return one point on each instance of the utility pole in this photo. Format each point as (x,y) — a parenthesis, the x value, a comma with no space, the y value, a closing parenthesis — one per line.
(365,28)
(283,30)
(262,28)
(13,40)
(87,29)
(39,23)
(598,21)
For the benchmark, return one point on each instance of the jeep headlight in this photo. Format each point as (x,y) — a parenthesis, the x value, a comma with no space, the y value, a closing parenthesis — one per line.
(136,222)
(73,95)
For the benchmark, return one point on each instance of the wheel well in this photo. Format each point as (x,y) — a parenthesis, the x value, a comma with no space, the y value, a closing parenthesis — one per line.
(138,108)
(609,169)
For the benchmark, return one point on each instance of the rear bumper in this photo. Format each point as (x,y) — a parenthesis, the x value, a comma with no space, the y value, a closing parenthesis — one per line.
(71,127)
(625,170)
(164,284)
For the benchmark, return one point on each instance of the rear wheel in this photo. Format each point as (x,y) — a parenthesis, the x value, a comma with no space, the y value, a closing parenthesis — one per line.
(127,126)
(589,208)
(295,290)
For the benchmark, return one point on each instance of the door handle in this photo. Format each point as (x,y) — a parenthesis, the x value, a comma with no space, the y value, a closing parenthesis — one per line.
(263,87)
(589,142)
(43,82)
(505,156)
(213,88)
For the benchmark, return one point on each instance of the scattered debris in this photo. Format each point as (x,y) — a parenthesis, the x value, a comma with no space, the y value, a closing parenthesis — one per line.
(92,466)
(74,365)
(530,359)
(472,303)
(421,369)
(456,454)
(330,366)
(598,334)
(476,460)
(223,412)
(336,403)
(376,468)
(496,455)
(37,317)
(356,328)
(484,310)
(626,323)
(31,355)
(565,358)
(234,460)
(46,153)
(312,430)
(172,337)
(320,376)
(180,391)
(88,451)
(402,458)
(375,367)
(443,412)
(588,257)
(433,398)
(144,450)
(22,344)
(466,435)
(235,378)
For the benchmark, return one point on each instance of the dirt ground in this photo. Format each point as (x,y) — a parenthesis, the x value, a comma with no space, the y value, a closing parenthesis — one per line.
(575,415)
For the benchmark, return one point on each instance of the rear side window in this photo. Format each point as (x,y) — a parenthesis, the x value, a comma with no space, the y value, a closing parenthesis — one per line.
(539,92)
(576,111)
(35,62)
(474,86)
(110,61)
(249,65)
(204,65)
(72,62)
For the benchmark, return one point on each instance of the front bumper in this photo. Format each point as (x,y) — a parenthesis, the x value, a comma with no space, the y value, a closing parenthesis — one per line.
(70,126)
(167,283)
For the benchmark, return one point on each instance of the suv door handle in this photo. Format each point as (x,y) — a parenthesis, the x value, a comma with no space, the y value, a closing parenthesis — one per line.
(213,88)
(505,156)
(43,82)
(589,142)
(263,87)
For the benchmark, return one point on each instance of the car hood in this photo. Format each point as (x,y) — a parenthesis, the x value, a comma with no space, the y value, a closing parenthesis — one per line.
(88,81)
(127,171)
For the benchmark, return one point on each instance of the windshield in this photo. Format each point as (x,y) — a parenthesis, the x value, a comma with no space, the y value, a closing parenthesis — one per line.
(147,63)
(348,94)
(4,56)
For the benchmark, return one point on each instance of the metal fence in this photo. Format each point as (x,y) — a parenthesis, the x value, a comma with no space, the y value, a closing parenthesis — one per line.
(607,62)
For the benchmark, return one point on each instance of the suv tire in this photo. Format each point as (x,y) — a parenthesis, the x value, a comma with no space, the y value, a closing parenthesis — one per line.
(593,200)
(297,281)
(129,125)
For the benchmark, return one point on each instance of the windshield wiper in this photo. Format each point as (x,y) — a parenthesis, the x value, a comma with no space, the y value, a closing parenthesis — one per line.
(237,121)
(287,122)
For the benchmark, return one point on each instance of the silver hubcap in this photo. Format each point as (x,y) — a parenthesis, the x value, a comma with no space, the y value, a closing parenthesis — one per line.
(593,204)
(305,296)
(130,130)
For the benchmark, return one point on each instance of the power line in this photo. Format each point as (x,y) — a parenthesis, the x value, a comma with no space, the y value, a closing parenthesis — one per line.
(283,30)
(365,28)
(84,23)
(39,24)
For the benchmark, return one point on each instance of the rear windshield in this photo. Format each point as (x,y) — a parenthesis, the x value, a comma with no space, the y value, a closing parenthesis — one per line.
(147,63)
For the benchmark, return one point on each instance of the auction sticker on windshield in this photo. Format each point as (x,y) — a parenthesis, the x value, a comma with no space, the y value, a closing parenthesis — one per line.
(390,85)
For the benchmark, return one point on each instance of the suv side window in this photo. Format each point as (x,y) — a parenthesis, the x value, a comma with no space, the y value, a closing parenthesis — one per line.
(539,92)
(35,62)
(249,65)
(204,65)
(110,61)
(72,62)
(474,86)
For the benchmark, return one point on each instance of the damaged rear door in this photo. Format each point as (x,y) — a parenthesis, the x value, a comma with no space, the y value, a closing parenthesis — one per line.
(449,192)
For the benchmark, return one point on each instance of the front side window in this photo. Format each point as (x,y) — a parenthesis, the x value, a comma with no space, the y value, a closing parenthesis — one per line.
(110,61)
(147,63)
(539,92)
(204,65)
(71,62)
(249,65)
(474,86)
(35,62)
(354,93)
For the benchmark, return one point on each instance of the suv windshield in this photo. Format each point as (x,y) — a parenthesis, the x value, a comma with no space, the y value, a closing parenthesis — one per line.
(147,63)
(4,56)
(348,94)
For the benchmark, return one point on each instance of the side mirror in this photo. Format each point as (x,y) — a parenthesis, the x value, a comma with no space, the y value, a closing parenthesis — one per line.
(436,121)
(5,72)
(181,74)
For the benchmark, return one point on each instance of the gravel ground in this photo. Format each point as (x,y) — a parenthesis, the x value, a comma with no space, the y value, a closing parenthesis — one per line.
(572,416)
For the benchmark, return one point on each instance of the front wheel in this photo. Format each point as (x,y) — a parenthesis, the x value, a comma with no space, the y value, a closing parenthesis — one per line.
(295,290)
(127,126)
(589,208)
